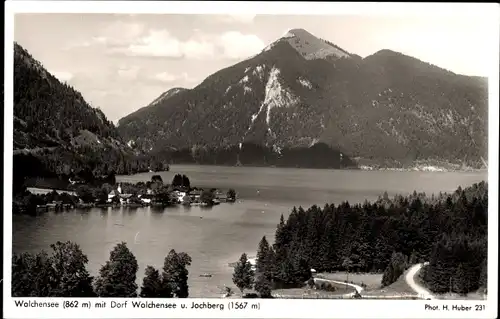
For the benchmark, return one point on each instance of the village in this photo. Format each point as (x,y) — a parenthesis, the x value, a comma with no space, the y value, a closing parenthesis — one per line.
(175,195)
(141,194)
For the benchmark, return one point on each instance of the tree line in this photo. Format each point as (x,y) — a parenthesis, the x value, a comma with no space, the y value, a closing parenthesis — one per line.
(449,231)
(25,202)
(319,155)
(63,274)
(92,166)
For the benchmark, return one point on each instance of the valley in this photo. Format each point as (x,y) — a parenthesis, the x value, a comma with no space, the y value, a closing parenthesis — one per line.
(319,173)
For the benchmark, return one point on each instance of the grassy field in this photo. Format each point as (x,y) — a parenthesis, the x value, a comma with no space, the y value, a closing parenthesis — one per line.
(399,288)
(371,280)
(373,289)
(302,293)
(308,293)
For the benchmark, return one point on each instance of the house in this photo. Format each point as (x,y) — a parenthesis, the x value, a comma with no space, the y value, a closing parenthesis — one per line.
(125,198)
(145,199)
(179,196)
(111,195)
(222,197)
(195,194)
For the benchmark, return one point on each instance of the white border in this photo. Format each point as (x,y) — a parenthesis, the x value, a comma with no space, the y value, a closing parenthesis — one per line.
(278,307)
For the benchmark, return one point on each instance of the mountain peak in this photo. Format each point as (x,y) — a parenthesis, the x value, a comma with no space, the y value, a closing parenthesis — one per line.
(310,46)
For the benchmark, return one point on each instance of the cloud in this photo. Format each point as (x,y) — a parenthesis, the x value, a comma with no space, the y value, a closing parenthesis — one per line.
(160,43)
(236,45)
(165,77)
(198,49)
(188,79)
(169,78)
(156,43)
(62,75)
(117,33)
(132,39)
(238,18)
(128,73)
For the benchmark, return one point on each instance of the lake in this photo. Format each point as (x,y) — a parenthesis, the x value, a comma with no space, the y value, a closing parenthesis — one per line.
(216,237)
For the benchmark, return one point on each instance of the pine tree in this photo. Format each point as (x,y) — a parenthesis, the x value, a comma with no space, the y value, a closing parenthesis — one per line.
(262,265)
(263,286)
(286,272)
(302,271)
(413,258)
(395,269)
(177,180)
(281,243)
(243,276)
(460,280)
(388,276)
(185,182)
(439,270)
(271,263)
(483,279)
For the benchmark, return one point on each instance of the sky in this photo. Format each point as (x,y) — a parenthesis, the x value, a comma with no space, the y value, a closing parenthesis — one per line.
(122,62)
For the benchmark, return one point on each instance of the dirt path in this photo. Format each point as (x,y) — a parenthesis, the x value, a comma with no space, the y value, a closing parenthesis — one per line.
(349,295)
(410,279)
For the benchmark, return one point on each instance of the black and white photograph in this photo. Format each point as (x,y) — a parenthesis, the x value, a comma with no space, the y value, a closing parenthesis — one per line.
(246,156)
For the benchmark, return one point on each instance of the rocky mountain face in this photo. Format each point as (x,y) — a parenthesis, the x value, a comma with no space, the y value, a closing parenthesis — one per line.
(57,133)
(387,109)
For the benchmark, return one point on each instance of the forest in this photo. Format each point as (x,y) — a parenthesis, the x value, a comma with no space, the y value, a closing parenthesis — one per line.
(252,154)
(448,230)
(56,167)
(58,134)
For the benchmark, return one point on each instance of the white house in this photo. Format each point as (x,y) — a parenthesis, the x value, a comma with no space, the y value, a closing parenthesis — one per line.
(111,195)
(179,195)
(125,198)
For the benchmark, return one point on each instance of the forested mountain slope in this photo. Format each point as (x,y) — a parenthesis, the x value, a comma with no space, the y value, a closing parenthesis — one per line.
(388,108)
(58,134)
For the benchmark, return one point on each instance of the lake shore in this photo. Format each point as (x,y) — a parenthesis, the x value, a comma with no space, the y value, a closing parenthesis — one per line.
(215,237)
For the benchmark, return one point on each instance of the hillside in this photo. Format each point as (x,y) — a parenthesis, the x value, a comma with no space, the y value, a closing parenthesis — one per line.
(387,109)
(57,133)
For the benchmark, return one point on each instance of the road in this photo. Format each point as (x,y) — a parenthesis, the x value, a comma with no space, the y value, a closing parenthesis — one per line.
(410,280)
(422,292)
(349,295)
